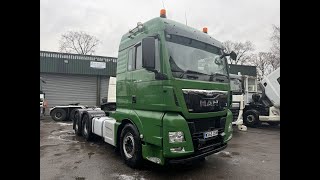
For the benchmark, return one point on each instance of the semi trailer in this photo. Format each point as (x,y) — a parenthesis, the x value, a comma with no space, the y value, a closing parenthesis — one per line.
(172,96)
(67,112)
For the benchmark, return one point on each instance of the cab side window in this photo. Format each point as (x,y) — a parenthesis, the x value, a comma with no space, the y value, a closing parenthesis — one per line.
(138,56)
(131,62)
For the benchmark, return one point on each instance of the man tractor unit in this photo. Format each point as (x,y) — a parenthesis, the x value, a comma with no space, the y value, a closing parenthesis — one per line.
(172,96)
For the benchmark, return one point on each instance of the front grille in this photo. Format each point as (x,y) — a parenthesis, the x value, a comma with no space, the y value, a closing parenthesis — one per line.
(198,102)
(199,126)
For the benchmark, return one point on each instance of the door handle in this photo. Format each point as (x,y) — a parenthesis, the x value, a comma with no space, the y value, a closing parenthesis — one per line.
(134,99)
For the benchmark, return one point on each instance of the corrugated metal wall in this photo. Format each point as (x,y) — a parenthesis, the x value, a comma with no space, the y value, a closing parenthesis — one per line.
(65,89)
(53,62)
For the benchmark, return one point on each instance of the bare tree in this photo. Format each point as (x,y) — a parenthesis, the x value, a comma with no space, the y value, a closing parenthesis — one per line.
(275,49)
(241,49)
(78,42)
(262,62)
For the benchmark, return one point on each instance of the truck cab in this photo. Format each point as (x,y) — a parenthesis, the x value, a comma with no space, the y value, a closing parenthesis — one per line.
(265,106)
(238,98)
(172,96)
(43,102)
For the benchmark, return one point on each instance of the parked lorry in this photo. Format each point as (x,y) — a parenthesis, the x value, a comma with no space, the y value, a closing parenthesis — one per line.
(238,97)
(109,102)
(172,96)
(265,106)
(67,112)
(43,102)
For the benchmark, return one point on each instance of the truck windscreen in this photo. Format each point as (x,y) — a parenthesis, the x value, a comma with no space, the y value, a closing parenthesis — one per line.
(190,58)
(236,86)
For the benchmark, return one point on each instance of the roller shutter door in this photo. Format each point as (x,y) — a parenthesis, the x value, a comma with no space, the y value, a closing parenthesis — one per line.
(63,89)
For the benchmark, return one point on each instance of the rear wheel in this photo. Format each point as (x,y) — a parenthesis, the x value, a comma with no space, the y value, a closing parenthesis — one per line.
(59,114)
(86,128)
(130,146)
(76,124)
(72,114)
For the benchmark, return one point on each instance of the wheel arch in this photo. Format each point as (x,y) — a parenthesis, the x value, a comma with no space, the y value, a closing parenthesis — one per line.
(120,128)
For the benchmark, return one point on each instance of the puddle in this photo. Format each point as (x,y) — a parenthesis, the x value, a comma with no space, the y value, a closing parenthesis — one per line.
(45,146)
(66,135)
(80,178)
(90,154)
(65,124)
(235,153)
(127,177)
(235,161)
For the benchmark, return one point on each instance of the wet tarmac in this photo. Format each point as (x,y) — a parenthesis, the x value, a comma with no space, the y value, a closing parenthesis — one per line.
(254,154)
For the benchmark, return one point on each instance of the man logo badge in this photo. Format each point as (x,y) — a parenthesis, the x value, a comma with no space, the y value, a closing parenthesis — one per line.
(208,103)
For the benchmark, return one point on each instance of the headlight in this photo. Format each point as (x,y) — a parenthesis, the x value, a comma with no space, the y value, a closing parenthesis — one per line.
(176,137)
(230,128)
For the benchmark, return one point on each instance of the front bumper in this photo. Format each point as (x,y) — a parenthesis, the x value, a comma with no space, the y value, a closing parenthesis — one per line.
(196,156)
(269,118)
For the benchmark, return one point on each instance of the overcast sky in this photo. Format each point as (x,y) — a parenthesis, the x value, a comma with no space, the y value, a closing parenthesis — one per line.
(108,20)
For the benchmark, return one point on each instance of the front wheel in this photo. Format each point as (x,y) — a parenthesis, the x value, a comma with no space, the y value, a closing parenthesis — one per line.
(251,118)
(130,146)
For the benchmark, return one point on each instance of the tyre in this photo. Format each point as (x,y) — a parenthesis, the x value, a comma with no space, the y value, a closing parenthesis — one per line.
(273,123)
(86,128)
(72,114)
(77,125)
(59,114)
(130,146)
(251,118)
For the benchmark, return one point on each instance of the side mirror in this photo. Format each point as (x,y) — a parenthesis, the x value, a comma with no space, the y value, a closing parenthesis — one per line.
(148,53)
(233,55)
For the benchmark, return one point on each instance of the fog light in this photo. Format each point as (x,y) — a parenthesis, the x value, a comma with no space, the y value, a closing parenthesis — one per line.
(154,159)
(177,149)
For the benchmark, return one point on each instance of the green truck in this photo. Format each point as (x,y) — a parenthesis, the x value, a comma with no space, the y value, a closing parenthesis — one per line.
(172,96)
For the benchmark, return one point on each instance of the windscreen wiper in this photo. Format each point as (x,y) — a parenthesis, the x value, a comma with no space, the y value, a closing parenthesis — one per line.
(191,72)
(212,75)
(218,74)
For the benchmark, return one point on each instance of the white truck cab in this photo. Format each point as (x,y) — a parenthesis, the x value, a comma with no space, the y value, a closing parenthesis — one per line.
(264,106)
(237,105)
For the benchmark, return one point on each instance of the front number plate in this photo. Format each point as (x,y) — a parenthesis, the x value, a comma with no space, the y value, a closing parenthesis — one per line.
(210,134)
